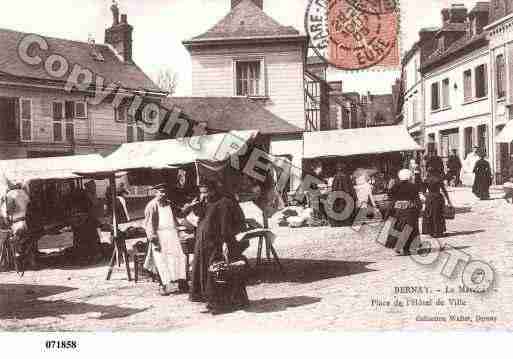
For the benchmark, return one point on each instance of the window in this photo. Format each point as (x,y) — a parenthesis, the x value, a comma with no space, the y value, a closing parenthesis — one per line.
(80,110)
(481,81)
(445,94)
(133,132)
(467,85)
(248,75)
(414,112)
(63,127)
(69,110)
(435,96)
(501,76)
(26,119)
(120,114)
(482,138)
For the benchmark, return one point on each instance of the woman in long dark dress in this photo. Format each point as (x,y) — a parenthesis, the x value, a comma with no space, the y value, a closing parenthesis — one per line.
(222,220)
(433,221)
(483,179)
(405,210)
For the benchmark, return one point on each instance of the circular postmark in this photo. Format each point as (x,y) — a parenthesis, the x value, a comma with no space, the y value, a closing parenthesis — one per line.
(354,34)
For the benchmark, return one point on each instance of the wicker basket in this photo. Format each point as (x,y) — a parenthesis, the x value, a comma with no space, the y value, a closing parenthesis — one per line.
(224,273)
(187,241)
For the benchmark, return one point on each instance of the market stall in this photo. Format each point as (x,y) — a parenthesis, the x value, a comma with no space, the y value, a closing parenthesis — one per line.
(160,161)
(376,152)
(50,184)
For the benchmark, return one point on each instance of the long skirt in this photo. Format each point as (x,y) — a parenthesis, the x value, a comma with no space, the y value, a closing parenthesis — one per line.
(229,295)
(433,221)
(481,187)
(405,220)
(169,262)
(205,252)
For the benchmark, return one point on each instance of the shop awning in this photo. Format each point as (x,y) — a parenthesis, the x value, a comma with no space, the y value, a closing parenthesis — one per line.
(358,141)
(172,153)
(506,135)
(48,168)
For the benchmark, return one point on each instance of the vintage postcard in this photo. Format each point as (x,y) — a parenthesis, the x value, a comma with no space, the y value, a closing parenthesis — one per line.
(255,166)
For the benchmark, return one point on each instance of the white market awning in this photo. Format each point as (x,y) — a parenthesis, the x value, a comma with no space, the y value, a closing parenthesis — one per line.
(358,141)
(64,167)
(172,153)
(506,135)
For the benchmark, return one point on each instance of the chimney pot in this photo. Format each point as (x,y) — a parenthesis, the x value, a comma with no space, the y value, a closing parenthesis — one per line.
(259,3)
(445,15)
(115,13)
(458,13)
(119,35)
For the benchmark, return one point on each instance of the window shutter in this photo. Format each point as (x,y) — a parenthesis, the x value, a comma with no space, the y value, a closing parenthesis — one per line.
(57,132)
(57,111)
(467,85)
(69,109)
(485,80)
(129,133)
(140,134)
(70,132)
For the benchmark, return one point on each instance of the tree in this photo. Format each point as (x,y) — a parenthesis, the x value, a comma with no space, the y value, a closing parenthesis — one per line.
(167,80)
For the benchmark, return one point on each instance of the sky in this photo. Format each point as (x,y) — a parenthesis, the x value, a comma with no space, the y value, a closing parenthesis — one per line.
(161,25)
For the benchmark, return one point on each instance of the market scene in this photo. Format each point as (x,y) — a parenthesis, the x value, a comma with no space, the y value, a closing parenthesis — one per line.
(272,195)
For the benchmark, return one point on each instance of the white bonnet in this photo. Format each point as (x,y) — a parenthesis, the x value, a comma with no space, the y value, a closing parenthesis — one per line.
(404,175)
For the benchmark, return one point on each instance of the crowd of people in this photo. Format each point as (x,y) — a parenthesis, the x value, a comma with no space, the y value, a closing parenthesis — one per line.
(414,192)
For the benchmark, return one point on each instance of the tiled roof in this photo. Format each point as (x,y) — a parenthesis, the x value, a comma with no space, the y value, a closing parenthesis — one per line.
(231,114)
(112,69)
(463,43)
(246,20)
(453,27)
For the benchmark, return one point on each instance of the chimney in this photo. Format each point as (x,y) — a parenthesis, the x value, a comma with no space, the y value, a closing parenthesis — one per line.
(479,17)
(259,3)
(458,14)
(336,86)
(427,43)
(445,16)
(119,35)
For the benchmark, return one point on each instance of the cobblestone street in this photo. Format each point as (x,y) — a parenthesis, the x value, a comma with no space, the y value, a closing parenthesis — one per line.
(335,280)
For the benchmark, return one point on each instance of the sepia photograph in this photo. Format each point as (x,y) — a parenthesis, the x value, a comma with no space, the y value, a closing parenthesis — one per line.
(255,166)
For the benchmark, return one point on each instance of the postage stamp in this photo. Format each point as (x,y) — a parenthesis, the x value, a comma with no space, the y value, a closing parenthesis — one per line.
(355,34)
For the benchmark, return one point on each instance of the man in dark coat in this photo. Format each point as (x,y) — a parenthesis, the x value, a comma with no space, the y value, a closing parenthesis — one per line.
(436,163)
(483,179)
(342,182)
(454,165)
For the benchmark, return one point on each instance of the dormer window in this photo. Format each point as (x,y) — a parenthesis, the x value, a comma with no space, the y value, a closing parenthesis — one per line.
(249,78)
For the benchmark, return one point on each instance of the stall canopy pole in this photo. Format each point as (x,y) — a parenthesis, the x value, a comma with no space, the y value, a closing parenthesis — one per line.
(120,250)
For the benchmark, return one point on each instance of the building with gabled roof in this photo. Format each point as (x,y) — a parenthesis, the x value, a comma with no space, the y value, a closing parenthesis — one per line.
(250,57)
(57,96)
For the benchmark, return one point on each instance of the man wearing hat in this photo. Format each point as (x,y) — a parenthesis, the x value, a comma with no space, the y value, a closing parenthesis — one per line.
(165,255)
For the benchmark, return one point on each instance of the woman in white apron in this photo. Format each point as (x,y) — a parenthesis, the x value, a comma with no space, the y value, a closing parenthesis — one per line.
(165,255)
